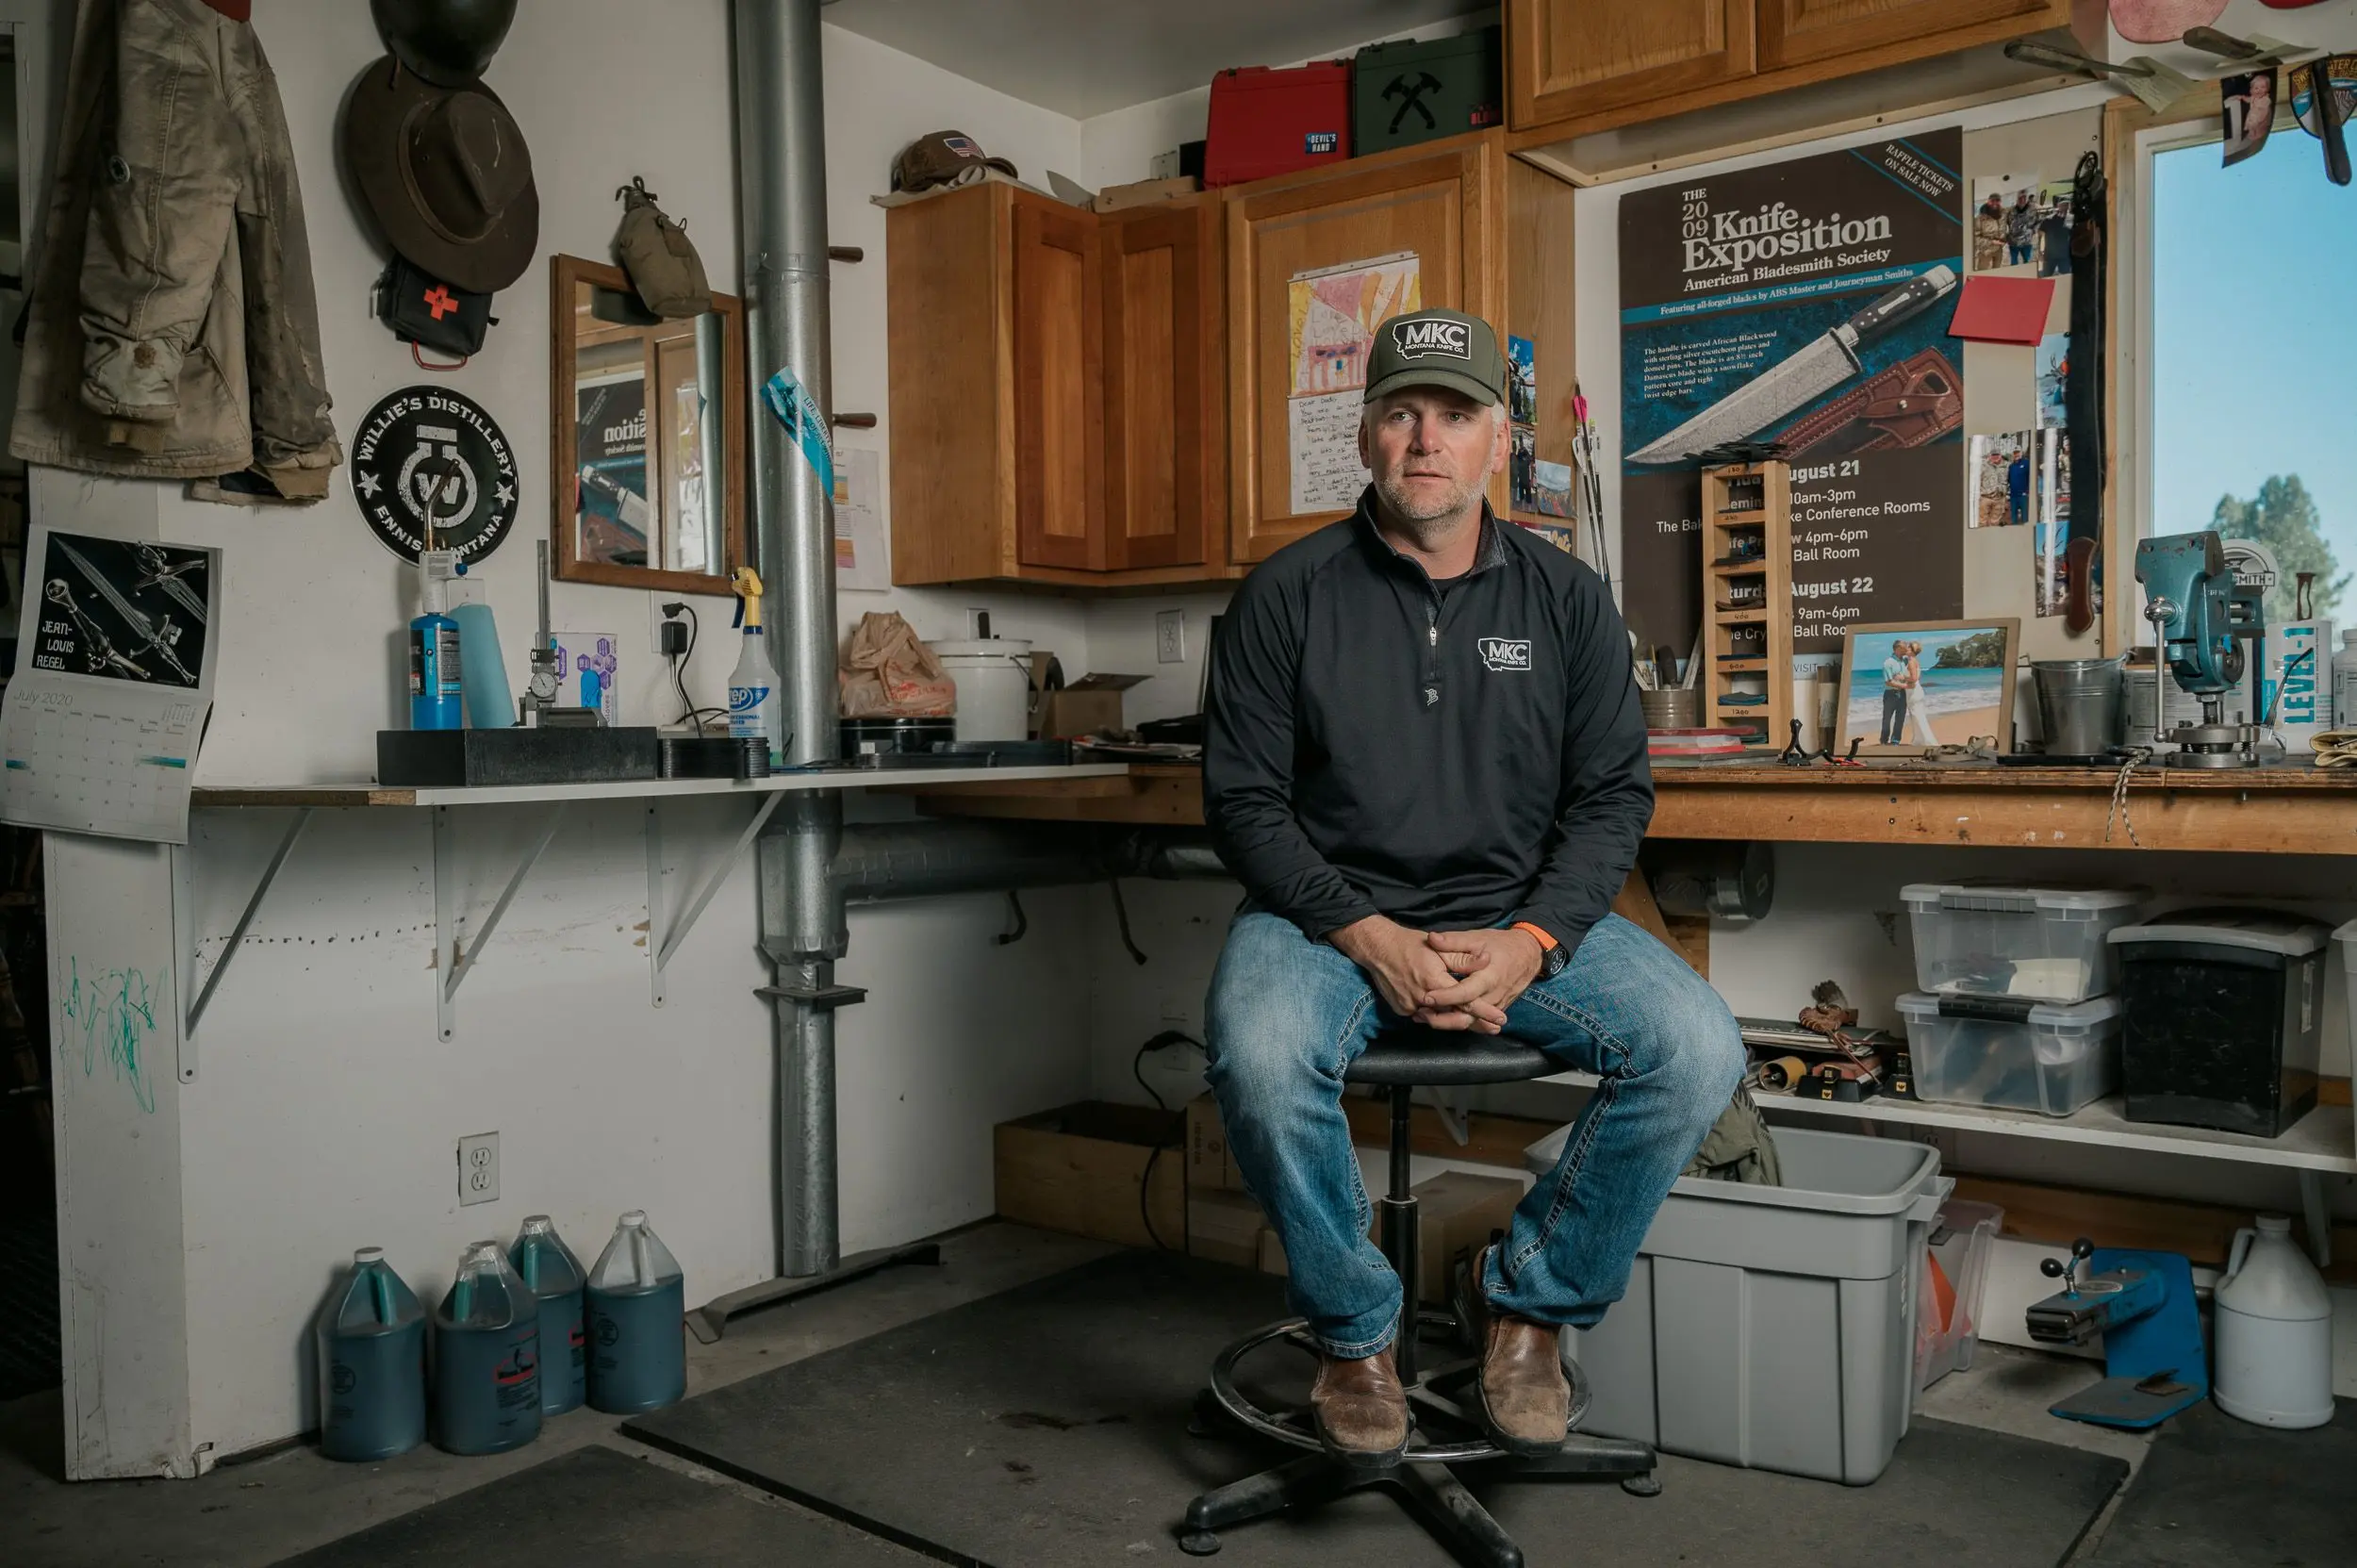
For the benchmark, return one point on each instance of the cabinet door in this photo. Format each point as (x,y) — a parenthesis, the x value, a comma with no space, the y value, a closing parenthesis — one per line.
(1059,394)
(1567,57)
(1796,32)
(1165,385)
(1442,202)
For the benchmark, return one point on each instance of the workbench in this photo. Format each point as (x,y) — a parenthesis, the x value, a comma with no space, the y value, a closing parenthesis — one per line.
(2299,811)
(2281,810)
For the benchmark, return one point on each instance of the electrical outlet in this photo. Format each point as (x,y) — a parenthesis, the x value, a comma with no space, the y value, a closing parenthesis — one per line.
(1177,1008)
(478,1168)
(1170,636)
(976,620)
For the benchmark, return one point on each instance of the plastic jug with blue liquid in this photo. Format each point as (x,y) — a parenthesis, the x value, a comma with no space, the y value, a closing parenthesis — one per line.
(637,1322)
(487,1356)
(553,1276)
(370,1340)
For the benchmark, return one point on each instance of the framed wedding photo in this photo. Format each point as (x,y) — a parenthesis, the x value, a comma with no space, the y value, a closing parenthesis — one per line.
(1919,684)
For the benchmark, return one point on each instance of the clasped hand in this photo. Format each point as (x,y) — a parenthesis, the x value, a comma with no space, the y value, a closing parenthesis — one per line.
(1447,980)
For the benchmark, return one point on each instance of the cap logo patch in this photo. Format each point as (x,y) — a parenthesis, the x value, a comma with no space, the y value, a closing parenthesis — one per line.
(1423,339)
(962,147)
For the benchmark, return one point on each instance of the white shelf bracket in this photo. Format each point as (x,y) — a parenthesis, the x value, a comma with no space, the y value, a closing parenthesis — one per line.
(1446,1106)
(662,941)
(184,916)
(454,960)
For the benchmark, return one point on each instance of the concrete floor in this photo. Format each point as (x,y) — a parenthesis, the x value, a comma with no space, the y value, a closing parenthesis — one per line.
(255,1512)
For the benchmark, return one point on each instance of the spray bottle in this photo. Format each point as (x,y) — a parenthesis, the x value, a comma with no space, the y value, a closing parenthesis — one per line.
(435,693)
(753,705)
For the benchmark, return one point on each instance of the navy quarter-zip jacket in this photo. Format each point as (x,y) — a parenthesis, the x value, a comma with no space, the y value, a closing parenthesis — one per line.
(1451,755)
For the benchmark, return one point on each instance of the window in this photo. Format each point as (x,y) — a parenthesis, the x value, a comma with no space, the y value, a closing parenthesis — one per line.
(2253,346)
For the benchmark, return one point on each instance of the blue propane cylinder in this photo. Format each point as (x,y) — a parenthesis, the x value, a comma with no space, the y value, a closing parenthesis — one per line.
(369,1338)
(553,1276)
(637,1322)
(487,1358)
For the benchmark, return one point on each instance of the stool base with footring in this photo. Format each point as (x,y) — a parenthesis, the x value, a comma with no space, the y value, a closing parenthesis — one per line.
(1445,1428)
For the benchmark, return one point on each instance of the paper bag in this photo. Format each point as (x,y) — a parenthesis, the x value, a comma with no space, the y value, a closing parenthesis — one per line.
(887,673)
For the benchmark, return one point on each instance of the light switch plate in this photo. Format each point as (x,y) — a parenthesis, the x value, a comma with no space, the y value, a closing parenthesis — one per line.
(478,1168)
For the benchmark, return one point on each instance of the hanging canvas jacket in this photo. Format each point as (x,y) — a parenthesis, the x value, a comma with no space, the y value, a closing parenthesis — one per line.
(174,330)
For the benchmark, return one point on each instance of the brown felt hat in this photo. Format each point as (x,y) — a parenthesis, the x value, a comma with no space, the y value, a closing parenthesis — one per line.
(447,174)
(944,158)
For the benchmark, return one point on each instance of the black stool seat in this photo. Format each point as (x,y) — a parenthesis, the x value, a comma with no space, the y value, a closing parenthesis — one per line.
(1438,1059)
(1446,1429)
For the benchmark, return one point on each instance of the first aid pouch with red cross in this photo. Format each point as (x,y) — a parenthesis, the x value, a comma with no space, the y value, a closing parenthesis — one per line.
(423,311)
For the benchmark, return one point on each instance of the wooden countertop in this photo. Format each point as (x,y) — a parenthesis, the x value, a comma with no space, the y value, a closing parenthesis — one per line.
(2264,810)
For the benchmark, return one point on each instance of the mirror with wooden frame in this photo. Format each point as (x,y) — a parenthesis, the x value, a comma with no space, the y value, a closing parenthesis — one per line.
(646,436)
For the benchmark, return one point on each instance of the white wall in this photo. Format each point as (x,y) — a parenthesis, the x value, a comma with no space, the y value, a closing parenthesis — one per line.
(326,1108)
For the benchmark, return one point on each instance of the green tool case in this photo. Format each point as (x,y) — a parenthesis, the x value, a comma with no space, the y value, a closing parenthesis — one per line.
(1403,93)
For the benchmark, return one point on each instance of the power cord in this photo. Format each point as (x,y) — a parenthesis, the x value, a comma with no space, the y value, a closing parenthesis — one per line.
(689,712)
(1137,1069)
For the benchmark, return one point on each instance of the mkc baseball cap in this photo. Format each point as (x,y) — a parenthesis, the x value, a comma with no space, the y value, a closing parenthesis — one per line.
(1437,348)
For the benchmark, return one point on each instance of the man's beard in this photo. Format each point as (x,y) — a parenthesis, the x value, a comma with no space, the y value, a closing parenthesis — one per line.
(1431,518)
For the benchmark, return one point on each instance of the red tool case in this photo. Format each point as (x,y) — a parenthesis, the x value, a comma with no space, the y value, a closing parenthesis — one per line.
(1266,122)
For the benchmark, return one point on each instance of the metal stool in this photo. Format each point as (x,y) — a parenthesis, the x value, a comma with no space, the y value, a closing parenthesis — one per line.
(1445,1428)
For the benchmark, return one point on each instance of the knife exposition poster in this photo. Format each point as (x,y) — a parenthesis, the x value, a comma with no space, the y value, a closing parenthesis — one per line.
(1807,303)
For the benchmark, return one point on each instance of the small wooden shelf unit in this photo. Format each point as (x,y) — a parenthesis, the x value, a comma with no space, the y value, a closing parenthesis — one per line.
(1747,599)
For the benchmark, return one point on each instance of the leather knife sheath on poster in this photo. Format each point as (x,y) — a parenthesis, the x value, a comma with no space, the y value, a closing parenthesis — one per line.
(1800,380)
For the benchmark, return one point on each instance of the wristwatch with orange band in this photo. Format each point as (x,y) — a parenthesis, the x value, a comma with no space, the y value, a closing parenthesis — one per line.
(1552,956)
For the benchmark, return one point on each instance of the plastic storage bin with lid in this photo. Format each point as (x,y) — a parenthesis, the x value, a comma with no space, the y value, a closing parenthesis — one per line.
(2009,1051)
(1773,1327)
(2001,939)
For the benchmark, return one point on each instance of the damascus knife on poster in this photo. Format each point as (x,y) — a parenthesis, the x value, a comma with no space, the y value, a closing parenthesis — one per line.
(1800,380)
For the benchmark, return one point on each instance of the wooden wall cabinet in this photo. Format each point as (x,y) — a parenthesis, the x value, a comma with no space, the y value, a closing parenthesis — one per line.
(1492,238)
(1574,66)
(1056,391)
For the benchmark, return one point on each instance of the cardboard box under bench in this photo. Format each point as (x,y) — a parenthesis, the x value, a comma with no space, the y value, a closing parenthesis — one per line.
(1080,1168)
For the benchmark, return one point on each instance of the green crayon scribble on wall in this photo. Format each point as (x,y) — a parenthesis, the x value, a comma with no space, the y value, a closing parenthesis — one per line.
(112,1013)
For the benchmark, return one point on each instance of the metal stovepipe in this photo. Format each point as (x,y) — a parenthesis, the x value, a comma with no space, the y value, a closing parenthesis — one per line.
(781,156)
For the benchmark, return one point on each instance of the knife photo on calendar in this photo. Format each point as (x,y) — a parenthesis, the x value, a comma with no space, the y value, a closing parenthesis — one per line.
(1800,380)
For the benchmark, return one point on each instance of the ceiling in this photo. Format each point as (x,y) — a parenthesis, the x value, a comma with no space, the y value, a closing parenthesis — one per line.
(1085,57)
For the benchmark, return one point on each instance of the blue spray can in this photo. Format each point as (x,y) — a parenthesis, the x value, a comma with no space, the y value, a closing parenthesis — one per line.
(436,694)
(370,1340)
(553,1276)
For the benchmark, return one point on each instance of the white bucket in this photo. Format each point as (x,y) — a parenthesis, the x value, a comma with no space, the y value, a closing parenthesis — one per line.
(994,677)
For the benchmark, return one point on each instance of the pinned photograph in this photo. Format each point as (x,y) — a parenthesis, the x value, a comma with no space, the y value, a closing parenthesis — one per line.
(1942,682)
(2053,378)
(2052,207)
(2005,210)
(1521,380)
(1999,478)
(2247,112)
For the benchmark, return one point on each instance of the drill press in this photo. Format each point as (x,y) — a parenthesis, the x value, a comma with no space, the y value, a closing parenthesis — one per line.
(2200,619)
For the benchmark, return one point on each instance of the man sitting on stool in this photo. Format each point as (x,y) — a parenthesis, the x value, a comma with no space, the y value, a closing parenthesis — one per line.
(1426,766)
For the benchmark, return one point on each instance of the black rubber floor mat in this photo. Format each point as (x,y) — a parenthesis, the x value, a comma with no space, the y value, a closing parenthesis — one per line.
(595,1506)
(2215,1490)
(1047,1426)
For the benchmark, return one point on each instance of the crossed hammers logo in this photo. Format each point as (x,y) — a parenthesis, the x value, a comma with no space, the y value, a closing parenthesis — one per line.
(1410,96)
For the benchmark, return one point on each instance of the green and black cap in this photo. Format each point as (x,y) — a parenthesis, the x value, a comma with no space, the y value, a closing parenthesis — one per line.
(1437,348)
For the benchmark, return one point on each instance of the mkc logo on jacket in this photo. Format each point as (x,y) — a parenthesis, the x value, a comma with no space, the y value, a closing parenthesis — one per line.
(1505,652)
(1416,339)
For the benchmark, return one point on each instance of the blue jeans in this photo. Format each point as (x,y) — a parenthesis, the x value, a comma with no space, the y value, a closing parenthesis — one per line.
(1287,1015)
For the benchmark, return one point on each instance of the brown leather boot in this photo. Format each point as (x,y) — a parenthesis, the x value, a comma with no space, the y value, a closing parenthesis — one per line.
(1526,1400)
(1361,1410)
